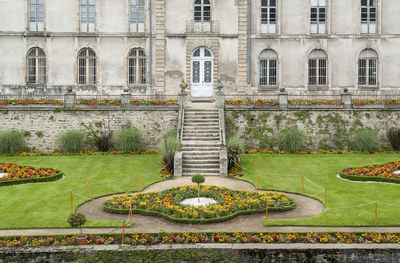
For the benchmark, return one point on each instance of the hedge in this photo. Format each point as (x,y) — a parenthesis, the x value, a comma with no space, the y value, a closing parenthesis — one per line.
(55,177)
(198,221)
(369,178)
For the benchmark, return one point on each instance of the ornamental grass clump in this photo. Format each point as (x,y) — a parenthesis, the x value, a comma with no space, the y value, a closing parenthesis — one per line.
(235,148)
(365,139)
(291,139)
(71,141)
(168,146)
(129,139)
(11,142)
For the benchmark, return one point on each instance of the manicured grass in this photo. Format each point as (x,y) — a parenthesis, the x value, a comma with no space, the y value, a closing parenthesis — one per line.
(274,172)
(47,205)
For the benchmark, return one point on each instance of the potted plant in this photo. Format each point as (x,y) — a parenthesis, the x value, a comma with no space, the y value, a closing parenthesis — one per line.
(77,220)
(198,179)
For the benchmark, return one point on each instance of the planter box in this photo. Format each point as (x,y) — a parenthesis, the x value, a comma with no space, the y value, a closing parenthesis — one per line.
(252,107)
(314,106)
(393,106)
(369,106)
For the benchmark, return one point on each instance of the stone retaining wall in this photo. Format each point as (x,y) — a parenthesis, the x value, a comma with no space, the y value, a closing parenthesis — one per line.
(325,129)
(151,121)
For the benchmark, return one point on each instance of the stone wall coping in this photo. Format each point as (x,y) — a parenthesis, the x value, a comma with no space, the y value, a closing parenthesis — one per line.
(309,109)
(90,108)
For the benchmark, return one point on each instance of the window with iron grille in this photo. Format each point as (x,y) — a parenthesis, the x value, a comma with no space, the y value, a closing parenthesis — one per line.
(87,68)
(368,16)
(137,68)
(317,68)
(268,16)
(367,68)
(87,15)
(36,66)
(202,11)
(268,68)
(36,15)
(137,15)
(318,17)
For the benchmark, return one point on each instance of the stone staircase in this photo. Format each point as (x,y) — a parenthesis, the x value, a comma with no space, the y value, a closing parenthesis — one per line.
(201,143)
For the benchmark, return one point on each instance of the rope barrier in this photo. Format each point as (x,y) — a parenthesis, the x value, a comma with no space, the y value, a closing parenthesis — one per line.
(353,206)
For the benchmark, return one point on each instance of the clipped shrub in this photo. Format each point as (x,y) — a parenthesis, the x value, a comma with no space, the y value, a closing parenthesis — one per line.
(393,135)
(365,139)
(198,179)
(128,139)
(11,142)
(71,141)
(234,149)
(168,146)
(291,139)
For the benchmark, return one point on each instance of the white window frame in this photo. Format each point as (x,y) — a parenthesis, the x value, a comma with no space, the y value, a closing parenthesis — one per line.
(87,16)
(200,9)
(88,74)
(137,16)
(268,9)
(36,71)
(268,69)
(318,17)
(368,69)
(369,8)
(318,63)
(36,15)
(137,67)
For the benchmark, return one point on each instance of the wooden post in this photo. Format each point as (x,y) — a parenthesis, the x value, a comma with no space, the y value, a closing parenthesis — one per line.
(256,181)
(123,231)
(140,182)
(72,203)
(266,213)
(89,188)
(302,183)
(376,212)
(130,211)
(326,198)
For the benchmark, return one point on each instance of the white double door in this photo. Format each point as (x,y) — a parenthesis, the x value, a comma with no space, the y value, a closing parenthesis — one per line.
(202,73)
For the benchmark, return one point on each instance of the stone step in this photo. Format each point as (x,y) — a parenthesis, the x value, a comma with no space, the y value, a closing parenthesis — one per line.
(200,144)
(200,170)
(201,124)
(201,116)
(211,121)
(205,174)
(200,138)
(200,166)
(201,110)
(200,153)
(200,129)
(201,149)
(200,161)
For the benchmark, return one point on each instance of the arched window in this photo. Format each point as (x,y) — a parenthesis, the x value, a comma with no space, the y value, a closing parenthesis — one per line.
(268,16)
(137,69)
(317,68)
(36,66)
(367,68)
(87,67)
(268,68)
(137,15)
(202,11)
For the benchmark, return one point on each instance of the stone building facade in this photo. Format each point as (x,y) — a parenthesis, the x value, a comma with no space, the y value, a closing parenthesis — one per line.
(254,46)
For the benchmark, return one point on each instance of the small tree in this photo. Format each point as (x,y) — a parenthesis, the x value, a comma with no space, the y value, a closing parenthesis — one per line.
(198,179)
(77,220)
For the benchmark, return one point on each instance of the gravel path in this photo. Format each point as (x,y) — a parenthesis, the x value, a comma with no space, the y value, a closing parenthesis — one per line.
(306,207)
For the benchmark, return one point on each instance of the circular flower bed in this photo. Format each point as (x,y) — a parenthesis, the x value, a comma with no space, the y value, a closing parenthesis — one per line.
(380,173)
(167,204)
(25,174)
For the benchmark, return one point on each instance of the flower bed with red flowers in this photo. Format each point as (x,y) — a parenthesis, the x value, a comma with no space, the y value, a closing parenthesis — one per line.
(16,101)
(170,101)
(380,173)
(25,174)
(61,153)
(316,102)
(149,239)
(93,102)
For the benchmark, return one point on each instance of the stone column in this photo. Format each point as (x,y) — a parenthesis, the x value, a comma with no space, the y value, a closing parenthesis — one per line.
(69,97)
(283,99)
(223,163)
(219,95)
(125,97)
(346,99)
(178,164)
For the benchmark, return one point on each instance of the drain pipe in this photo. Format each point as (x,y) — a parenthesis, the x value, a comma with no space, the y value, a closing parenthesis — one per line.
(150,87)
(248,46)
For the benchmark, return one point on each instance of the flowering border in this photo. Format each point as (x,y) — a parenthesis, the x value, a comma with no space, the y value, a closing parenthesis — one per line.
(377,173)
(151,239)
(168,203)
(318,151)
(61,153)
(36,178)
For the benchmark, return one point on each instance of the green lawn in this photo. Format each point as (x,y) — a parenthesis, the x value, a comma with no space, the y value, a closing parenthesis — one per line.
(273,171)
(47,205)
